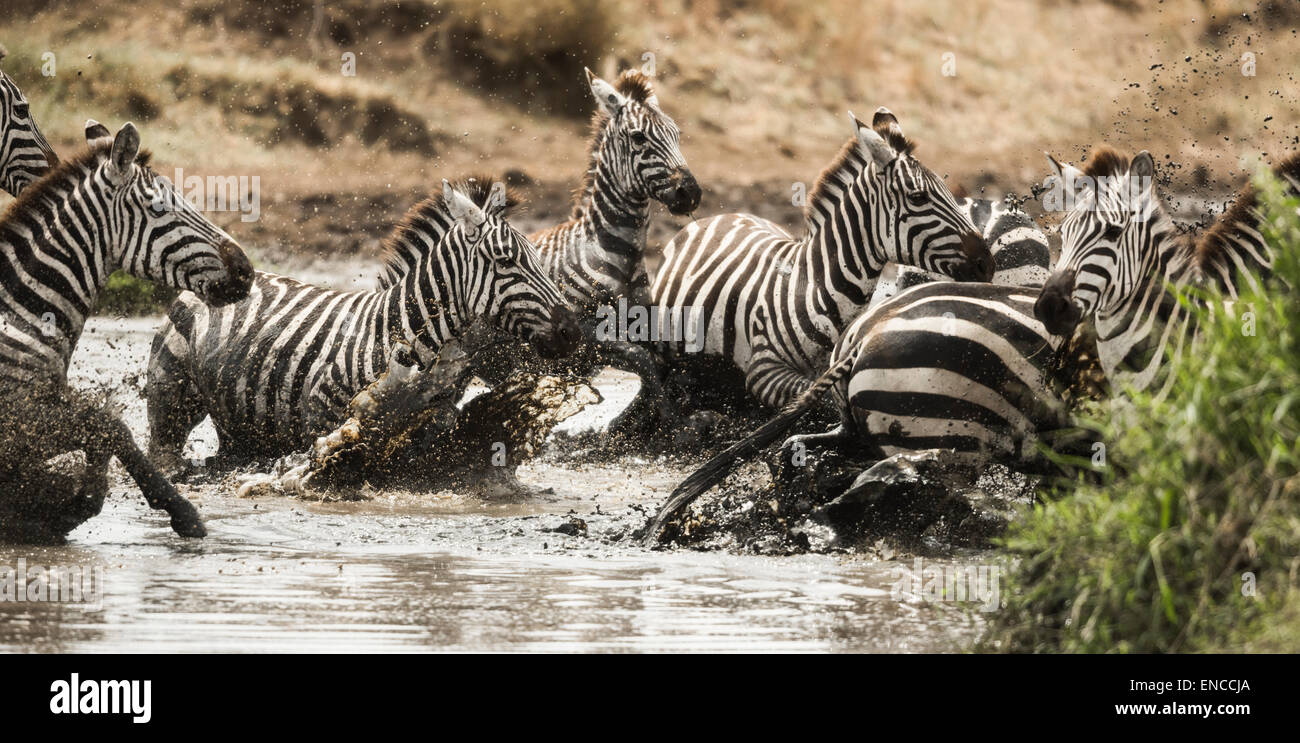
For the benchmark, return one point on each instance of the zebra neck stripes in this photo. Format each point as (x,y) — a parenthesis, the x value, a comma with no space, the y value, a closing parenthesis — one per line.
(54,259)
(24,154)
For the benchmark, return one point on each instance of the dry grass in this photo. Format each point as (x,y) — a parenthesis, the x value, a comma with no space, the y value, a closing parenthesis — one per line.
(759,87)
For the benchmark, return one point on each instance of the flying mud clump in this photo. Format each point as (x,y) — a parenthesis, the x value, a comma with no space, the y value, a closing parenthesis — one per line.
(406,431)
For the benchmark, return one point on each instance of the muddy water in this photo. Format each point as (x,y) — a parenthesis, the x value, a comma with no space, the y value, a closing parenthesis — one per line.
(441,571)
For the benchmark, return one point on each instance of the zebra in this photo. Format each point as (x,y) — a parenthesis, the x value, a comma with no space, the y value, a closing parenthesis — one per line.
(24,154)
(99,211)
(773,305)
(597,256)
(971,368)
(279,368)
(1021,251)
(1121,254)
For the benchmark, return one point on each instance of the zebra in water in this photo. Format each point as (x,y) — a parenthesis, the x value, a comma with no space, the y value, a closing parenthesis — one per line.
(279,368)
(970,368)
(773,305)
(101,210)
(596,257)
(1021,252)
(24,154)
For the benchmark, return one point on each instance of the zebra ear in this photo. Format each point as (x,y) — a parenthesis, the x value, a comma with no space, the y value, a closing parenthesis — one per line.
(126,145)
(1143,167)
(885,119)
(462,209)
(1067,173)
(97,134)
(881,152)
(609,100)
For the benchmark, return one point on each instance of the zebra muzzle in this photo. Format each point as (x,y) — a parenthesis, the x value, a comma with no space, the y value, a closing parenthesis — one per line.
(1055,307)
(978,259)
(564,336)
(683,193)
(238,280)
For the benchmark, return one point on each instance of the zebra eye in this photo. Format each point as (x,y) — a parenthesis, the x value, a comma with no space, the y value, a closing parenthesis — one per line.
(1113,232)
(916,198)
(20,110)
(639,138)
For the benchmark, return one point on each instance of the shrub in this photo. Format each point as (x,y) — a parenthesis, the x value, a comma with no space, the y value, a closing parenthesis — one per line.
(1192,544)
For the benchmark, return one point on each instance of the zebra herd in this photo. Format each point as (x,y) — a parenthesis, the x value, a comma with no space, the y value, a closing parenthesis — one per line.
(963,366)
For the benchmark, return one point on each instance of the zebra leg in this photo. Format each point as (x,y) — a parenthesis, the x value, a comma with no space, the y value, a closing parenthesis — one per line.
(651,405)
(109,434)
(174,404)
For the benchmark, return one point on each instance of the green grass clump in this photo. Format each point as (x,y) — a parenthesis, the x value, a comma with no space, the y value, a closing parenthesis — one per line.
(125,294)
(1193,542)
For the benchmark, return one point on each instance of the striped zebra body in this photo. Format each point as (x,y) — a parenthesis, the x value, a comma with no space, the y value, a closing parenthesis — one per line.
(775,305)
(961,367)
(597,256)
(279,368)
(967,368)
(1021,252)
(59,241)
(25,156)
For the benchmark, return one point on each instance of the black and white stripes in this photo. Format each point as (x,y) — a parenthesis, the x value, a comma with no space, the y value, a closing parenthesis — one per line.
(279,368)
(59,241)
(1120,253)
(90,216)
(775,305)
(24,153)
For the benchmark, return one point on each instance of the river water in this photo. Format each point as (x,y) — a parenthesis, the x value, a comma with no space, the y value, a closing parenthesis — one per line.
(440,571)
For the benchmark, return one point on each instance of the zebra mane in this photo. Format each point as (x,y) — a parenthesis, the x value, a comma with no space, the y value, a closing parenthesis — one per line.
(87,159)
(635,86)
(836,177)
(1216,242)
(430,217)
(1106,161)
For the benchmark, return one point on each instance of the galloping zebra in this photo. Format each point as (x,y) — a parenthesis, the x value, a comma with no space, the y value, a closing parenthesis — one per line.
(969,368)
(1021,253)
(279,368)
(774,305)
(24,153)
(94,213)
(597,256)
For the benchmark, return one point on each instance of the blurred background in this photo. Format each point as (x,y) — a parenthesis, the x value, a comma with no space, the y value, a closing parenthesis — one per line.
(760,89)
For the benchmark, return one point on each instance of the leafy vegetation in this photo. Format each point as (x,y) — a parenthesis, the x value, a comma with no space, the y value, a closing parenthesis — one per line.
(125,294)
(1193,542)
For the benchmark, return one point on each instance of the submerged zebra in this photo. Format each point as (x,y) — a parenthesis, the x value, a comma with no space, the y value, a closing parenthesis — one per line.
(279,368)
(773,305)
(597,256)
(24,154)
(967,367)
(94,213)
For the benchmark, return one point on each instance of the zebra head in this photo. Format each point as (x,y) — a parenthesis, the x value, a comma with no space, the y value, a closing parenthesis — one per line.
(1110,235)
(501,276)
(154,232)
(639,144)
(24,153)
(923,224)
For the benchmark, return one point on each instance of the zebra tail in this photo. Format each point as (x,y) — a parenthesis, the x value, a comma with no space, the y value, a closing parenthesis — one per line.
(713,471)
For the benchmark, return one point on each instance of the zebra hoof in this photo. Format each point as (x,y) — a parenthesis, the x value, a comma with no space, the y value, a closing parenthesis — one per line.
(185,519)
